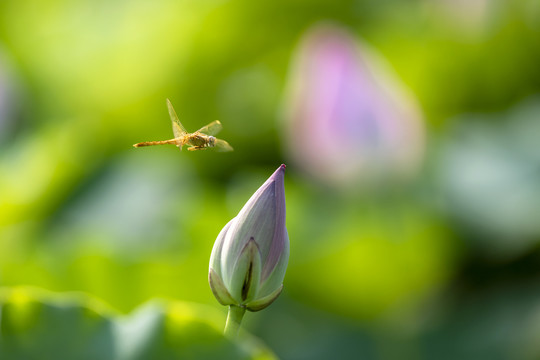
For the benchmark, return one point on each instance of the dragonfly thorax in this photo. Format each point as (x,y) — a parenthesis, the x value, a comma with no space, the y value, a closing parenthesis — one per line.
(201,140)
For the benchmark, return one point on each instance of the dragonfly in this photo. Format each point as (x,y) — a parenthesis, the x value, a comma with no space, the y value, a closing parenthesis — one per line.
(201,139)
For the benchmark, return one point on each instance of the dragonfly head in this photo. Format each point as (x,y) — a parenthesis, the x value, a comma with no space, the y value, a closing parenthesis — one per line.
(211,141)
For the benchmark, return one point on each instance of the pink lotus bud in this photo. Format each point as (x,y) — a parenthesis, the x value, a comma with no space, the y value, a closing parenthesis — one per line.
(348,119)
(250,255)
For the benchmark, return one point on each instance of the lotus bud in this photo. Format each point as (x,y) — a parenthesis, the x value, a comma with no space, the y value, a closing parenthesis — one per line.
(250,255)
(349,119)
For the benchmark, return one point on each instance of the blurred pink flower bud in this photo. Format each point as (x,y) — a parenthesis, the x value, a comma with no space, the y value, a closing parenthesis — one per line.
(347,117)
(250,255)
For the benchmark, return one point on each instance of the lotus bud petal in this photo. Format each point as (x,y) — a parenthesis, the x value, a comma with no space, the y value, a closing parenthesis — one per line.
(265,301)
(250,255)
(219,289)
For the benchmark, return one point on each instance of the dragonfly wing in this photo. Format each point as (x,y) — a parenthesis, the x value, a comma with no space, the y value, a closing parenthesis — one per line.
(211,129)
(222,146)
(177,127)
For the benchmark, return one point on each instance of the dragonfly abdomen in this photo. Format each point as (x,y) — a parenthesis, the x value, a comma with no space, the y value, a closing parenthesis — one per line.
(162,142)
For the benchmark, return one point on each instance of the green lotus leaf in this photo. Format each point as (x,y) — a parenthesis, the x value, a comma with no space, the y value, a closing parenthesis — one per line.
(35,324)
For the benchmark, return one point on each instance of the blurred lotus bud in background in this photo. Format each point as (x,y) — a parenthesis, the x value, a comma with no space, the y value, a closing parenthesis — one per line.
(348,119)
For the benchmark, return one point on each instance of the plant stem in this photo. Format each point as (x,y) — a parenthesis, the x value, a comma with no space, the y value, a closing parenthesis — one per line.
(234,319)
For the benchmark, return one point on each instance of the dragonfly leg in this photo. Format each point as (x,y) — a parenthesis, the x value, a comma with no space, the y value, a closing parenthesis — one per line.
(194,148)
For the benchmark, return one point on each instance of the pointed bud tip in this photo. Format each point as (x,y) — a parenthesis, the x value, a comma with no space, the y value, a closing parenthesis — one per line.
(280,170)
(279,173)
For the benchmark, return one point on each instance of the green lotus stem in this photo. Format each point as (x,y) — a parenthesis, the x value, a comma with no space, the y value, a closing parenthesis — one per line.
(234,319)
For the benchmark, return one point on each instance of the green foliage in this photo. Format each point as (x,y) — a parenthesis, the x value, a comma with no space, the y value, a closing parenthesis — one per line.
(38,325)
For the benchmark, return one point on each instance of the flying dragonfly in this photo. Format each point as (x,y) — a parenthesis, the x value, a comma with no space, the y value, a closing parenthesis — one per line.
(201,139)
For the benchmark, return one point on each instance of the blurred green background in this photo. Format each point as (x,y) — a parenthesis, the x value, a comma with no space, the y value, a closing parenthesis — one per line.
(442,263)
